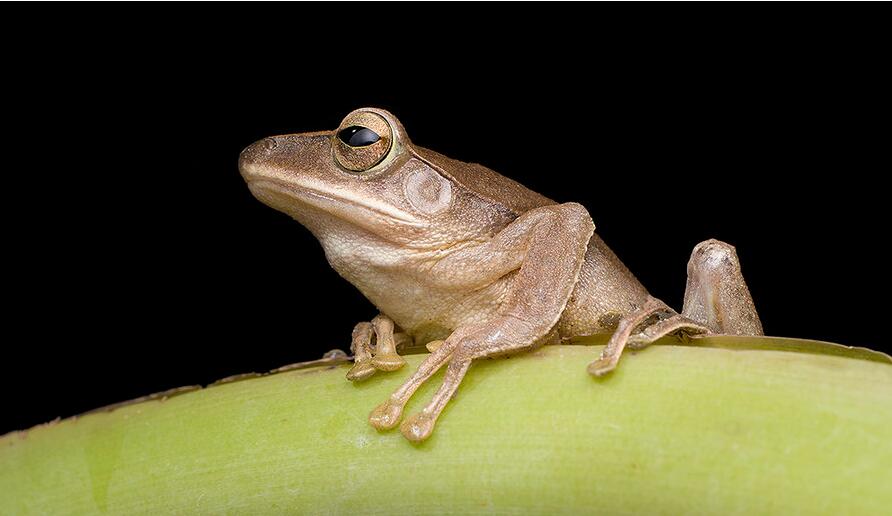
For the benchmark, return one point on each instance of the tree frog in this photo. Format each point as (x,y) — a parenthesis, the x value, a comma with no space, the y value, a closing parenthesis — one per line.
(468,262)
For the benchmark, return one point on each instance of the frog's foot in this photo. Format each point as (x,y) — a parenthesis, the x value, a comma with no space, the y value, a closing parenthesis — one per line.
(381,356)
(678,324)
(652,312)
(716,300)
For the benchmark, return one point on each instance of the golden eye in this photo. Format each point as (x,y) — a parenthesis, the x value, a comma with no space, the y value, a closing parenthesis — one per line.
(362,141)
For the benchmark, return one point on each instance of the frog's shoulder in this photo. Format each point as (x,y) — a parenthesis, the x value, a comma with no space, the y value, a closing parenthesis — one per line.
(485,182)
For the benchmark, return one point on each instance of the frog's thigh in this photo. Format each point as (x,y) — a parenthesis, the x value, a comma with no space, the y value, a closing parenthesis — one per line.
(716,295)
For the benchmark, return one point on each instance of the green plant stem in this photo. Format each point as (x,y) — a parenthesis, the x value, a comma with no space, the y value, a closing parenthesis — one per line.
(675,430)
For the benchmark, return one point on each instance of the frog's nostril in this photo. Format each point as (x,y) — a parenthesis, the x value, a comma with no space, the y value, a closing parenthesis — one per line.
(269,144)
(257,152)
(261,147)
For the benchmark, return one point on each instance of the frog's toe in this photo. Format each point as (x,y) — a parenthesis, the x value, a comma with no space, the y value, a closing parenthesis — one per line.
(360,371)
(638,342)
(418,427)
(601,367)
(386,415)
(434,345)
(388,362)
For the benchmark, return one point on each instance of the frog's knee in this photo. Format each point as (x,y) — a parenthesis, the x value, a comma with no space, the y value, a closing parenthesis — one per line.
(713,255)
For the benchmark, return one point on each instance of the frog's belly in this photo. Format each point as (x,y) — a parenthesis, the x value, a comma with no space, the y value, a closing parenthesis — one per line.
(421,309)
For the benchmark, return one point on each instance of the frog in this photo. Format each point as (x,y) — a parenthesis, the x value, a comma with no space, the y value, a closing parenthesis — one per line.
(468,263)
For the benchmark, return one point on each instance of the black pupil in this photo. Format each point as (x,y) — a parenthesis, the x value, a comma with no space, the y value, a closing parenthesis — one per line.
(356,136)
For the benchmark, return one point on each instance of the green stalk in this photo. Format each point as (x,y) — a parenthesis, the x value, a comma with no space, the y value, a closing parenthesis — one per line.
(675,430)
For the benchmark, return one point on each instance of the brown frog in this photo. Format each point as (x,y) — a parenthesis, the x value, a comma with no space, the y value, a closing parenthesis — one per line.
(469,262)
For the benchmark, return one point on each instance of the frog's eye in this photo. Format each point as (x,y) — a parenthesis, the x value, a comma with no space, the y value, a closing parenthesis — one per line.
(362,141)
(356,136)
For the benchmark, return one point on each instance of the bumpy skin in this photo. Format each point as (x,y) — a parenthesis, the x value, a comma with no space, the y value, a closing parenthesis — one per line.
(468,261)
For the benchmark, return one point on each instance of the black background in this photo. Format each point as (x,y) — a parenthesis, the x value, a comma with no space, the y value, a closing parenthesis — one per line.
(138,261)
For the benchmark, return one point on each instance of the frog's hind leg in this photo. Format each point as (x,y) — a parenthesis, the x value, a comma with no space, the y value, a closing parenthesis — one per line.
(674,324)
(717,300)
(716,295)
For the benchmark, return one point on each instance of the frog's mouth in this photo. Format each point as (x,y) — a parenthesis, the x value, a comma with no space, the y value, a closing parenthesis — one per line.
(287,197)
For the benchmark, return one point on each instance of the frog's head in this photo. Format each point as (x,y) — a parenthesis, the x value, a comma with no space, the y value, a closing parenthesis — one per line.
(367,176)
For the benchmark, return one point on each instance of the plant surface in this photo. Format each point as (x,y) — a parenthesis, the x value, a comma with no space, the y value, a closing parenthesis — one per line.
(727,426)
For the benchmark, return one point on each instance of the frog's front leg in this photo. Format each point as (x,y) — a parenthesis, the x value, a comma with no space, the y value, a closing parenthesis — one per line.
(380,357)
(540,254)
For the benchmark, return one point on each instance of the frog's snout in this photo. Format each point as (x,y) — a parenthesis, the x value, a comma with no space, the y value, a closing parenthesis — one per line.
(255,154)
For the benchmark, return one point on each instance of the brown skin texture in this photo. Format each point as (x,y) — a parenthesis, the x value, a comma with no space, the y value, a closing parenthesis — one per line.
(465,260)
